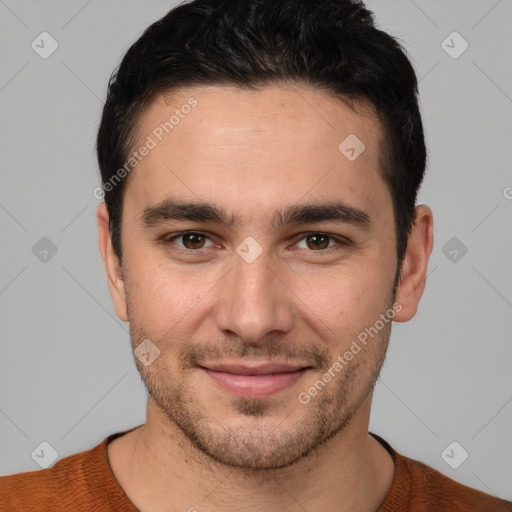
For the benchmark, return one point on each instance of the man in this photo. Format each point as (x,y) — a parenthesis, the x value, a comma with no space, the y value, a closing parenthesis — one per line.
(260,161)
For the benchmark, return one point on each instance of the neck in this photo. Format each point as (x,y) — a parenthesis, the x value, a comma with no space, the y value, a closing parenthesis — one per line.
(156,465)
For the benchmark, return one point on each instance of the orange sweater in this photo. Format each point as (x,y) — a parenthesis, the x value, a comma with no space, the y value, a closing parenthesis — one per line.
(84,482)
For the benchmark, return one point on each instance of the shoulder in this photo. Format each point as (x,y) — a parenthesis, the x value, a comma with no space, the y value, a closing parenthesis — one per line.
(422,488)
(32,489)
(440,492)
(55,488)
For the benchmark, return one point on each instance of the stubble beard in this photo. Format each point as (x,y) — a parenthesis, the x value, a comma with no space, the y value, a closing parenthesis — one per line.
(262,439)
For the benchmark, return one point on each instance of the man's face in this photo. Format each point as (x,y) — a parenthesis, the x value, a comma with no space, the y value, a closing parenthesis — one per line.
(267,288)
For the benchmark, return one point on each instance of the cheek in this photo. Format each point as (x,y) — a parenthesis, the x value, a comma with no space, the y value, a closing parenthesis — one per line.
(165,300)
(340,304)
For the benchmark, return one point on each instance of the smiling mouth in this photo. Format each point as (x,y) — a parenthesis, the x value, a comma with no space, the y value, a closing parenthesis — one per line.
(255,381)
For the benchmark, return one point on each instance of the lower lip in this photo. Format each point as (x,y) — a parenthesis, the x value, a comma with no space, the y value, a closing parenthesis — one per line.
(255,386)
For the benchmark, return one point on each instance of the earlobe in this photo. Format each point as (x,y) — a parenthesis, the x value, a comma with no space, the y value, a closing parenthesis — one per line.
(414,267)
(114,271)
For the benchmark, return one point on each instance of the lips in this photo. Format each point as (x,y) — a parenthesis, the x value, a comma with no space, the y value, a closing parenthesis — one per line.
(263,369)
(255,381)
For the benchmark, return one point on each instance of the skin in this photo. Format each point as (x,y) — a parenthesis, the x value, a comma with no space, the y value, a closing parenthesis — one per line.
(253,153)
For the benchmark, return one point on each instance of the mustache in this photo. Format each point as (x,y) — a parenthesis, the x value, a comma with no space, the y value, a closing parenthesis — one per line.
(197,355)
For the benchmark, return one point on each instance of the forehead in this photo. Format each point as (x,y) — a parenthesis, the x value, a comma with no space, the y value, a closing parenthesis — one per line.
(265,148)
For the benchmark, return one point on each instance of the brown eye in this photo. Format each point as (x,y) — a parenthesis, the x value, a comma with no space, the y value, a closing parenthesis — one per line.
(193,240)
(188,242)
(317,241)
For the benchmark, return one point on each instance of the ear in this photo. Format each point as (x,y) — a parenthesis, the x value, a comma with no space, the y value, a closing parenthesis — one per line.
(414,266)
(111,261)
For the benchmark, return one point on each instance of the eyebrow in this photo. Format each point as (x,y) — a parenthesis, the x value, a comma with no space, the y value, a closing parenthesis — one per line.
(175,209)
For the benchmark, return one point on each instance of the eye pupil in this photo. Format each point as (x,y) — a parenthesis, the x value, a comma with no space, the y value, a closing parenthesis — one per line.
(193,241)
(319,241)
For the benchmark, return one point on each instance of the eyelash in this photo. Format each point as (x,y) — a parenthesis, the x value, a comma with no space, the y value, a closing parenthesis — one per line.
(339,240)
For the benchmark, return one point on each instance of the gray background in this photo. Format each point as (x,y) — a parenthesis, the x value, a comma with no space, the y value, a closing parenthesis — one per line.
(66,371)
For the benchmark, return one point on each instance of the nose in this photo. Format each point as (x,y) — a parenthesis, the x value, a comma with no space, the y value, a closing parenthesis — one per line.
(253,300)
